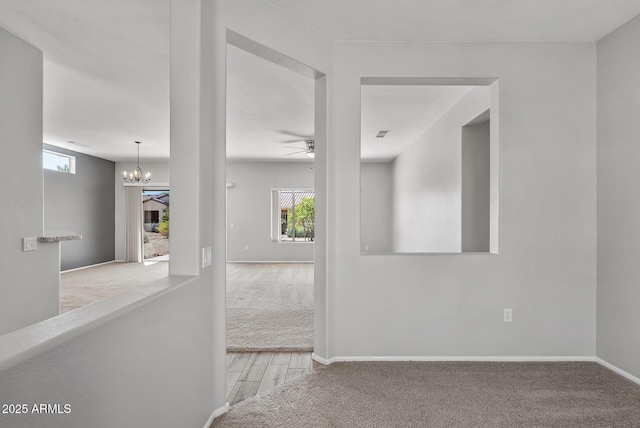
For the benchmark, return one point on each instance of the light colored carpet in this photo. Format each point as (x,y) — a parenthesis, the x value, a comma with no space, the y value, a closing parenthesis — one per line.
(85,286)
(452,394)
(269,307)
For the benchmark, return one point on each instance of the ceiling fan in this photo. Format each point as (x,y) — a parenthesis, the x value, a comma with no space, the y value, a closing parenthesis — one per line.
(309,150)
(309,143)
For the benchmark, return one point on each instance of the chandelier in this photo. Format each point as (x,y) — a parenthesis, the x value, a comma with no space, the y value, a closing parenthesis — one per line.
(137,177)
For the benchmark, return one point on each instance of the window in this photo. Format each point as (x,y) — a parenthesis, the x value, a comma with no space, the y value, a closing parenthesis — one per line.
(60,162)
(293,215)
(152,216)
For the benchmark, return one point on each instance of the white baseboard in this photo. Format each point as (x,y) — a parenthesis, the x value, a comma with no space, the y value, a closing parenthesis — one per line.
(271,261)
(488,359)
(618,370)
(216,413)
(90,266)
(321,360)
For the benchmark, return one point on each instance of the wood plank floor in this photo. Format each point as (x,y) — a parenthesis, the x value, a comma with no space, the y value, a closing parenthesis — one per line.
(252,373)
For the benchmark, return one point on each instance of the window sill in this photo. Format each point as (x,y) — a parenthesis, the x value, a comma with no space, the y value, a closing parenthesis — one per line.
(389,253)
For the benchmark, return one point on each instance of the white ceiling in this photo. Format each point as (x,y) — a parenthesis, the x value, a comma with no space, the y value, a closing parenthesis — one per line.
(405,111)
(106,63)
(106,72)
(463,20)
(270,109)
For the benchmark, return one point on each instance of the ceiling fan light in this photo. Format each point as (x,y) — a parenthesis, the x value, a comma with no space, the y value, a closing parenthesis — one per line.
(311,154)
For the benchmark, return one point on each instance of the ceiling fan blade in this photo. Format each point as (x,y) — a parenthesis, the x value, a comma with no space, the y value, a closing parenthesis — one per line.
(295,134)
(292,141)
(295,153)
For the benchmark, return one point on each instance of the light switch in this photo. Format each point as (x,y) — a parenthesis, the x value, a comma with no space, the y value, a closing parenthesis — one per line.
(206,257)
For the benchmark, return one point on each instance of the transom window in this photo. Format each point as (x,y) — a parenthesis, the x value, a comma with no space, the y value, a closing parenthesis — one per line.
(60,162)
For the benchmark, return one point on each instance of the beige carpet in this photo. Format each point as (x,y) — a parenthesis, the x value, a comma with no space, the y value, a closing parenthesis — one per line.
(413,394)
(85,286)
(269,307)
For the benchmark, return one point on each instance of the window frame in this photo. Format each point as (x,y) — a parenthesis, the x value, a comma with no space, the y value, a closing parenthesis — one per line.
(71,161)
(276,213)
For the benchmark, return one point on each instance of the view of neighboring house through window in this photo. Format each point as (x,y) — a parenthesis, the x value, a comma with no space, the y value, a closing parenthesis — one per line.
(58,162)
(295,221)
(155,204)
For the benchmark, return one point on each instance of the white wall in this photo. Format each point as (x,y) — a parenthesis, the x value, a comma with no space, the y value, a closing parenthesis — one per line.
(394,305)
(148,367)
(619,198)
(159,175)
(29,280)
(476,172)
(376,207)
(427,182)
(439,305)
(249,210)
(264,23)
(159,361)
(452,305)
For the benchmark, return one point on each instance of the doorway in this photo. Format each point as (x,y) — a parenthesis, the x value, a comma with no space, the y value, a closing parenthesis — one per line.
(270,248)
(155,224)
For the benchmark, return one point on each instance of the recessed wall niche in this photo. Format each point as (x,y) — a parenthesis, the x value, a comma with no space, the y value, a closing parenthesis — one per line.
(429,166)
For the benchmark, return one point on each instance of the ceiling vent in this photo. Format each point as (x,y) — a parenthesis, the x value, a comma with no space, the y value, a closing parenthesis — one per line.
(382,133)
(75,143)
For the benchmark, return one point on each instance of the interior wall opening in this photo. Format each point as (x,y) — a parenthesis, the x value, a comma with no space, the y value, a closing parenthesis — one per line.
(429,166)
(270,150)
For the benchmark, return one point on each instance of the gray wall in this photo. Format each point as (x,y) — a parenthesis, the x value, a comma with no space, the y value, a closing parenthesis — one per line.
(29,281)
(249,210)
(619,198)
(452,305)
(82,203)
(475,187)
(376,207)
(427,182)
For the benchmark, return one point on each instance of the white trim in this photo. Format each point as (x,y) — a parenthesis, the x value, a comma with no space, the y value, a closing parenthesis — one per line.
(150,185)
(157,186)
(618,370)
(293,242)
(271,261)
(90,266)
(216,413)
(320,360)
(437,358)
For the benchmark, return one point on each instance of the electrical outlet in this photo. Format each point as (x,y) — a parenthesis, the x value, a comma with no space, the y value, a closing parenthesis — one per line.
(246,248)
(29,244)
(508,315)
(366,248)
